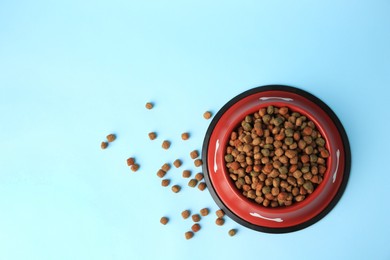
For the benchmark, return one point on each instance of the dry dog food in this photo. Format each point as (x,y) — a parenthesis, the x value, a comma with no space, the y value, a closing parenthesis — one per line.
(166,144)
(149,105)
(198,162)
(189,235)
(207,115)
(276,157)
(165,182)
(130,161)
(177,163)
(192,183)
(152,135)
(220,221)
(194,154)
(186,173)
(196,218)
(199,176)
(176,188)
(232,232)
(185,136)
(186,213)
(220,213)
(111,138)
(204,212)
(161,173)
(195,228)
(202,186)
(134,167)
(166,167)
(104,145)
(164,220)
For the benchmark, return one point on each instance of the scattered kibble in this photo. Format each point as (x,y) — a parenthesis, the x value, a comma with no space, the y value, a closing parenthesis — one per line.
(232,232)
(196,217)
(198,162)
(177,163)
(199,176)
(194,154)
(220,221)
(192,183)
(176,188)
(204,212)
(166,167)
(220,213)
(186,213)
(207,115)
(134,167)
(186,173)
(149,105)
(161,173)
(202,186)
(188,235)
(152,135)
(195,228)
(164,220)
(104,145)
(166,144)
(111,138)
(165,182)
(185,136)
(276,157)
(130,161)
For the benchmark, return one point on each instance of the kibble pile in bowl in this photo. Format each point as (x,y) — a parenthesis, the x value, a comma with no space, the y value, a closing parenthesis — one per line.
(276,157)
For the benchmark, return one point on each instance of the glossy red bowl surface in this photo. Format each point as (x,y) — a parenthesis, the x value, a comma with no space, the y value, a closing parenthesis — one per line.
(299,214)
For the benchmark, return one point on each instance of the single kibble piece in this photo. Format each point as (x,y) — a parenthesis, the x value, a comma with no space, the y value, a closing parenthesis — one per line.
(204,212)
(176,188)
(134,167)
(195,227)
(232,232)
(177,163)
(202,186)
(220,213)
(192,183)
(199,176)
(111,138)
(149,105)
(189,235)
(152,135)
(166,144)
(161,173)
(207,115)
(166,167)
(198,162)
(185,136)
(130,161)
(186,173)
(194,154)
(165,182)
(196,218)
(220,221)
(103,145)
(185,213)
(164,220)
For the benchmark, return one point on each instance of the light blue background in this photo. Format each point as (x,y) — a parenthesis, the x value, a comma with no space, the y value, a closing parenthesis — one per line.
(73,71)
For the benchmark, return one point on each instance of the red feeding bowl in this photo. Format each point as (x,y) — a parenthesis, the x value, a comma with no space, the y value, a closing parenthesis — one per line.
(281,219)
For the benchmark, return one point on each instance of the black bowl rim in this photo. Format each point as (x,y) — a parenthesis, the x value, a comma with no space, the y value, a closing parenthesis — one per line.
(323,106)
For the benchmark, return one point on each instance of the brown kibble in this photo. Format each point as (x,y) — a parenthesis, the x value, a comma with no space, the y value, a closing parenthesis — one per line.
(166,144)
(195,227)
(134,167)
(196,217)
(188,235)
(199,176)
(176,188)
(165,182)
(104,145)
(220,221)
(185,136)
(149,105)
(185,214)
(152,135)
(232,232)
(161,173)
(202,186)
(111,138)
(166,167)
(204,212)
(194,154)
(207,115)
(177,163)
(198,162)
(164,220)
(192,183)
(186,173)
(220,213)
(130,161)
